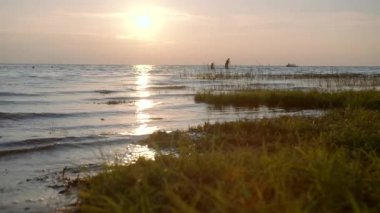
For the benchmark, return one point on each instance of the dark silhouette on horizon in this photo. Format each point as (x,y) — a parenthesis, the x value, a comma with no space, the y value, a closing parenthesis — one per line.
(212,66)
(227,64)
(291,65)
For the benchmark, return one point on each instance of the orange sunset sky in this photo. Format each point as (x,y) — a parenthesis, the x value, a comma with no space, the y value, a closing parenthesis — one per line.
(306,32)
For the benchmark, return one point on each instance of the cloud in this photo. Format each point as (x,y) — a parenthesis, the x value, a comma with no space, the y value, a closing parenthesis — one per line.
(140,9)
(90,15)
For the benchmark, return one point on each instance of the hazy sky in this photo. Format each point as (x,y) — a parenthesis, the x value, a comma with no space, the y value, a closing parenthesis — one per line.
(306,32)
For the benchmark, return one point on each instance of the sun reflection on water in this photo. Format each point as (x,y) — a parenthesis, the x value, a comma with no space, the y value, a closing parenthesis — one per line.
(131,153)
(142,79)
(143,104)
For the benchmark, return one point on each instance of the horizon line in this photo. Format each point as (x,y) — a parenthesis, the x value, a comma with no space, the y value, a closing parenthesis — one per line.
(256,65)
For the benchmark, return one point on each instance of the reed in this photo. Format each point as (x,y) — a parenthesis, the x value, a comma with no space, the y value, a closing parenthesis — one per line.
(293,100)
(319,79)
(288,164)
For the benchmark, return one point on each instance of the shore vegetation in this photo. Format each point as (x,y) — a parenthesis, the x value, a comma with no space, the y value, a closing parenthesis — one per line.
(293,100)
(328,163)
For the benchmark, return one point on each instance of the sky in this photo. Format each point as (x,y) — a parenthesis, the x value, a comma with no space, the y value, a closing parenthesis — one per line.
(251,32)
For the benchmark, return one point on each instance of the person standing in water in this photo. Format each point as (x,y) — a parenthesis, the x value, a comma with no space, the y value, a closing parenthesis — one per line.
(212,65)
(227,64)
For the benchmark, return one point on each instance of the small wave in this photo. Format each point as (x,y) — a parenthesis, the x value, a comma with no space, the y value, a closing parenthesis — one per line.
(21,116)
(74,92)
(105,126)
(115,98)
(17,94)
(68,92)
(159,96)
(2,102)
(24,150)
(167,87)
(39,144)
(106,91)
(118,99)
(281,85)
(115,102)
(47,141)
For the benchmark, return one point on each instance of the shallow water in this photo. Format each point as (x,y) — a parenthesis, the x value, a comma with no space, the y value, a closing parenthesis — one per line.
(57,116)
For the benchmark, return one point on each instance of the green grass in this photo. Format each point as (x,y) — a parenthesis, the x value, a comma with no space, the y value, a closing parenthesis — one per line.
(287,164)
(350,128)
(292,179)
(290,100)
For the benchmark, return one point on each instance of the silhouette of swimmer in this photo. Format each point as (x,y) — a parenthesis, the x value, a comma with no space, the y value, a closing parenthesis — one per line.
(212,66)
(227,64)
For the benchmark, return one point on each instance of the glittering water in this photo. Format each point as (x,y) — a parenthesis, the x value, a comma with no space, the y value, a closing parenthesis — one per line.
(57,116)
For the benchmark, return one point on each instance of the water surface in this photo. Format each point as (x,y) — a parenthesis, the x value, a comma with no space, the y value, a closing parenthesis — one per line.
(57,116)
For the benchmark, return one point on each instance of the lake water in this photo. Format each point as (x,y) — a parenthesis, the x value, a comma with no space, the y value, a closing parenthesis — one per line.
(80,116)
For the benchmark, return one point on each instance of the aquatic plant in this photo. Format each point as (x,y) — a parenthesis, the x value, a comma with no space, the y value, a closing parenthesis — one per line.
(251,79)
(290,100)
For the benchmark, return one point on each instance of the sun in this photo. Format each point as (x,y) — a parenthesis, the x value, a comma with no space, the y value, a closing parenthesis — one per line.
(143,22)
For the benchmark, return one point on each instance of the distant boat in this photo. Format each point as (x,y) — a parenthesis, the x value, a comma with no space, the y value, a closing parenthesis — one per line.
(291,65)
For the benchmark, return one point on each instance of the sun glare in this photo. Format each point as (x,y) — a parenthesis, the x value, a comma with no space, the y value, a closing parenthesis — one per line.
(143,22)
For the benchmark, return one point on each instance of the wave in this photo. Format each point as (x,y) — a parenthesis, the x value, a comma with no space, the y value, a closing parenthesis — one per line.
(106,91)
(47,141)
(105,126)
(167,87)
(24,150)
(22,116)
(281,85)
(17,94)
(159,96)
(2,102)
(73,92)
(126,99)
(39,144)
